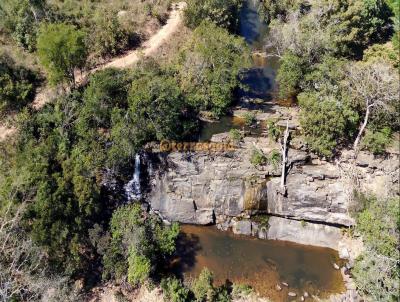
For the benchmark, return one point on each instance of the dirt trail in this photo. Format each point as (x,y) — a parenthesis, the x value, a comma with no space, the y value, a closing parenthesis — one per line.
(151,45)
(146,50)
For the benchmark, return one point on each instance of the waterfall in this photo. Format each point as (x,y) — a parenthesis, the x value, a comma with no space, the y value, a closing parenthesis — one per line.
(132,188)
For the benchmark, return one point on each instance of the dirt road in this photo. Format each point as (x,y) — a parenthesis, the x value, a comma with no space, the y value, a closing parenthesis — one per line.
(146,50)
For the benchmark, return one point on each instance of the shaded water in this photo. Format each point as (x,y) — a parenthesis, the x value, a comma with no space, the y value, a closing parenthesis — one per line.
(259,79)
(226,123)
(259,263)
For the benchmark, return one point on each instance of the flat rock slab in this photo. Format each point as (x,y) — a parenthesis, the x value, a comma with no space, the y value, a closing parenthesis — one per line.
(303,232)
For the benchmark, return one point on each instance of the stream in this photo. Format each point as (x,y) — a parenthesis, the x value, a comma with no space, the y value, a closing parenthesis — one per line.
(259,78)
(262,264)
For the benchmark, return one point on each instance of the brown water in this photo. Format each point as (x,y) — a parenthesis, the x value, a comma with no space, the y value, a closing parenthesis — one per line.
(259,263)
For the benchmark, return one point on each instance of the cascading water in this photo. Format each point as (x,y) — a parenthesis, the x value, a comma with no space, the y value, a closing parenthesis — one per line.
(132,188)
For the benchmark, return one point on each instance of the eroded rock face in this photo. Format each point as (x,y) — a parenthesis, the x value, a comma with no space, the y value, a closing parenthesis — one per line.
(204,188)
(315,199)
(198,188)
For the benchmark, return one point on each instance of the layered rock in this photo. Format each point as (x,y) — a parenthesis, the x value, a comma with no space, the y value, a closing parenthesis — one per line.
(205,188)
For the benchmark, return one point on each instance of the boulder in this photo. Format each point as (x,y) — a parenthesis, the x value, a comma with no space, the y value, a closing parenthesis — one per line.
(242,227)
(308,234)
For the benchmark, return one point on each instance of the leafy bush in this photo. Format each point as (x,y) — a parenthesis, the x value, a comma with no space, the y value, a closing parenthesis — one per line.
(274,131)
(235,135)
(274,158)
(258,158)
(174,290)
(290,74)
(249,118)
(139,268)
(107,36)
(17,85)
(138,244)
(242,290)
(326,121)
(224,13)
(377,141)
(202,286)
(377,272)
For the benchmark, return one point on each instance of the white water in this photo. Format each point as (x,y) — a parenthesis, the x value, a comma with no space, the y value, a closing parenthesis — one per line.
(132,188)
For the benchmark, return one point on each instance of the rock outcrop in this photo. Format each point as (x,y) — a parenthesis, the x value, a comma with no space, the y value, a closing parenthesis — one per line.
(206,188)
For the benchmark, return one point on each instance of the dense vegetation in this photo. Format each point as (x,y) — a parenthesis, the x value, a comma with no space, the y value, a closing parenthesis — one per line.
(63,215)
(17,85)
(62,177)
(109,26)
(224,13)
(377,270)
(336,59)
(203,289)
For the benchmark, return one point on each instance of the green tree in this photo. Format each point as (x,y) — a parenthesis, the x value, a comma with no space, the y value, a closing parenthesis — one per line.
(139,268)
(224,13)
(61,50)
(360,24)
(290,73)
(157,105)
(139,244)
(209,67)
(107,91)
(395,7)
(174,290)
(203,287)
(326,121)
(377,141)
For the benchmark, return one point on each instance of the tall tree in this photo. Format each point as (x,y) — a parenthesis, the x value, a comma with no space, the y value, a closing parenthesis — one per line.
(61,50)
(210,65)
(374,88)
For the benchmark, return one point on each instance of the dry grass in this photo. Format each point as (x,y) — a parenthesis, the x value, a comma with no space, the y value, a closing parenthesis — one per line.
(133,14)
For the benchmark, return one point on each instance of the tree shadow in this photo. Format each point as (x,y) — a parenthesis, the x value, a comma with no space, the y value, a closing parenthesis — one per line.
(187,247)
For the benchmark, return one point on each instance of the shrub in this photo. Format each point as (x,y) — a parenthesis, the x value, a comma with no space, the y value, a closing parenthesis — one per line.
(326,121)
(249,118)
(174,290)
(16,85)
(61,49)
(139,268)
(241,290)
(290,73)
(377,141)
(377,272)
(209,67)
(202,286)
(273,130)
(224,13)
(274,158)
(235,135)
(258,158)
(107,37)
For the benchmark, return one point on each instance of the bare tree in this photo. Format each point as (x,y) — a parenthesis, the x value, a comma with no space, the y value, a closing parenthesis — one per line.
(375,88)
(304,35)
(283,142)
(23,272)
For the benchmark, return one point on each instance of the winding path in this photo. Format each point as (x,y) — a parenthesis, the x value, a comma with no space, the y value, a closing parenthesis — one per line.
(148,48)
